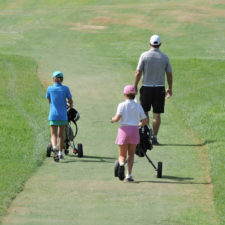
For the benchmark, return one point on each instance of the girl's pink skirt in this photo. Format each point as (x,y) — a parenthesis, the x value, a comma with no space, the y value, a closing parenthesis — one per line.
(128,135)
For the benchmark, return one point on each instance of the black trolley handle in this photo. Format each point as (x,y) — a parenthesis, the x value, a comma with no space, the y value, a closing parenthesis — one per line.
(149,160)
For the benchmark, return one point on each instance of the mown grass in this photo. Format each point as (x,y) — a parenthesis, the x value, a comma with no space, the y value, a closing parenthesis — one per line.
(22,135)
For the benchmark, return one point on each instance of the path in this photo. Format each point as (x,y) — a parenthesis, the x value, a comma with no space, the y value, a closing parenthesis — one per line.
(83,190)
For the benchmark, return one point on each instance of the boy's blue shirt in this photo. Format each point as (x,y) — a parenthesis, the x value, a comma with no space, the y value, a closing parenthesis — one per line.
(58,94)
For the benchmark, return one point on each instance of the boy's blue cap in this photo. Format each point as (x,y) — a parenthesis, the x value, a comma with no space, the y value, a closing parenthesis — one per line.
(57,74)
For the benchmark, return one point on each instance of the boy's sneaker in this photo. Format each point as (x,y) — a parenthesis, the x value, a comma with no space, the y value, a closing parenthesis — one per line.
(121,172)
(129,179)
(61,157)
(155,141)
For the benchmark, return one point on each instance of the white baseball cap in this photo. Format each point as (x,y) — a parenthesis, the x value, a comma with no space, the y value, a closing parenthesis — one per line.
(155,40)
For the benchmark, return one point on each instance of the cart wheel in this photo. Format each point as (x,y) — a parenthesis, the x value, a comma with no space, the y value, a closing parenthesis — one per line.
(159,170)
(80,150)
(48,150)
(67,145)
(66,151)
(116,168)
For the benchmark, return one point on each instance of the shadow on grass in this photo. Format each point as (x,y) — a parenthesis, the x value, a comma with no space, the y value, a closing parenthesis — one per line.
(194,145)
(174,180)
(92,159)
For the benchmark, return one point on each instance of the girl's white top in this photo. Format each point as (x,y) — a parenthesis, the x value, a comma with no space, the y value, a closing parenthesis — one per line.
(131,113)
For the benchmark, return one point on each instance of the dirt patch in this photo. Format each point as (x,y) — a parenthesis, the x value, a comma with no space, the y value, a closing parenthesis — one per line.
(45,83)
(15,4)
(150,16)
(86,27)
(127,20)
(204,158)
(197,14)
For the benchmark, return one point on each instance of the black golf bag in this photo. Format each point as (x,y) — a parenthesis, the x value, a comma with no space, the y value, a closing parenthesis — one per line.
(73,115)
(145,141)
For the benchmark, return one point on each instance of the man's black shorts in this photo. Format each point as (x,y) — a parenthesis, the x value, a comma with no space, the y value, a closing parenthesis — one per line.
(152,96)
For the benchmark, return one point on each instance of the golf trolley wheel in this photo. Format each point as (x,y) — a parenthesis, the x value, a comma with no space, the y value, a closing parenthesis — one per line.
(66,151)
(80,150)
(48,150)
(116,168)
(159,170)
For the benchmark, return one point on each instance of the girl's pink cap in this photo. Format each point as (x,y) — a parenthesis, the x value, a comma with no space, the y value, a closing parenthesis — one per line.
(128,89)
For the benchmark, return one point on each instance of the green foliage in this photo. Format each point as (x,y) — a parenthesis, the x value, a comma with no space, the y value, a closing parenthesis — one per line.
(22,110)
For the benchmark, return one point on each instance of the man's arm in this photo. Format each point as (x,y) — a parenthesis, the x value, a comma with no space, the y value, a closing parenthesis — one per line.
(169,76)
(137,78)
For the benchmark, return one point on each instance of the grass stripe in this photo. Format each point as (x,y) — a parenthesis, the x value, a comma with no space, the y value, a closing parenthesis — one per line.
(22,135)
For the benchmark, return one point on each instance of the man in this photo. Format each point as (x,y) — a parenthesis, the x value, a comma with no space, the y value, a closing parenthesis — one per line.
(154,64)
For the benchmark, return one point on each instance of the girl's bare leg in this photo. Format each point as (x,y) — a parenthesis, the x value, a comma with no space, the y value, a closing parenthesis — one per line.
(130,154)
(122,153)
(54,132)
(61,137)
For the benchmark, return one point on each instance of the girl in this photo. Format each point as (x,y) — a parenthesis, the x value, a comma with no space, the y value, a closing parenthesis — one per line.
(129,113)
(57,94)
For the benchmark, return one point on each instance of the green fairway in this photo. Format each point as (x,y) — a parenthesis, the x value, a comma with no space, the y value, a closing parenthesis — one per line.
(97,43)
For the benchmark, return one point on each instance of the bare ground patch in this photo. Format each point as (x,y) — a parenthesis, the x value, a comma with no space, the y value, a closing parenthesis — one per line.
(86,27)
(150,16)
(15,4)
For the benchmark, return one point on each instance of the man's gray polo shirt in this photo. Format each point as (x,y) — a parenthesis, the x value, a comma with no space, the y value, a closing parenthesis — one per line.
(154,64)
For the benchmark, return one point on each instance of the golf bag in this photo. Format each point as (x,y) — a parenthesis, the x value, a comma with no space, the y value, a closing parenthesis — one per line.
(73,115)
(71,130)
(145,141)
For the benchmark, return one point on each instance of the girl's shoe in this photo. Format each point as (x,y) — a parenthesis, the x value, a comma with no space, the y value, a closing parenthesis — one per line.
(56,156)
(121,172)
(129,179)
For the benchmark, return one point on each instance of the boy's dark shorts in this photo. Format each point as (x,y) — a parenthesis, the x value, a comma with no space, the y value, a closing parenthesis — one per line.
(153,97)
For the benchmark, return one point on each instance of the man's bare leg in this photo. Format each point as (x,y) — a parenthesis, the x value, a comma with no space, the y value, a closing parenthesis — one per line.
(146,113)
(156,124)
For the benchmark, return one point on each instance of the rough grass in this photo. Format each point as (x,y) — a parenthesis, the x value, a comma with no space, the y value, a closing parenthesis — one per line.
(22,134)
(199,98)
